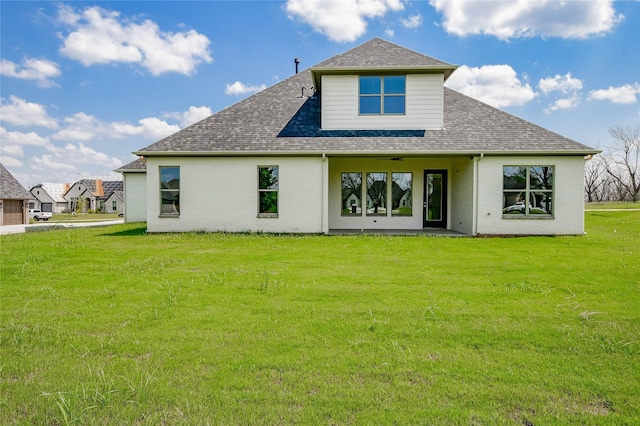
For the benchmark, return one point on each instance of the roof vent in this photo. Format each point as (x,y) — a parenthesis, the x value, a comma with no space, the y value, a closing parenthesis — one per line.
(297,62)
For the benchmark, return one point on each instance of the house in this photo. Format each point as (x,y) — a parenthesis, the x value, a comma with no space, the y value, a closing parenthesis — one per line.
(50,197)
(14,200)
(135,193)
(114,203)
(91,194)
(331,148)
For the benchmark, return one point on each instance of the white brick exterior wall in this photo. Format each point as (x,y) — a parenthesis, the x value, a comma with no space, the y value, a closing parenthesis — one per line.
(135,197)
(221,194)
(568,217)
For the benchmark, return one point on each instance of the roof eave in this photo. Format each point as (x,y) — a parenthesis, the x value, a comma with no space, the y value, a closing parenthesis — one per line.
(447,70)
(358,153)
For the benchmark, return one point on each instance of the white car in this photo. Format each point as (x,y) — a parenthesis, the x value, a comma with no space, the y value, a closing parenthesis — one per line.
(37,215)
(519,206)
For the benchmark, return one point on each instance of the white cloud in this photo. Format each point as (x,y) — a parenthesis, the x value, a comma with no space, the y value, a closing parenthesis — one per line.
(567,85)
(390,33)
(564,84)
(72,157)
(12,142)
(10,161)
(194,114)
(99,36)
(39,70)
(525,18)
(22,113)
(85,127)
(497,85)
(79,127)
(150,127)
(239,88)
(341,21)
(412,22)
(626,94)
(564,103)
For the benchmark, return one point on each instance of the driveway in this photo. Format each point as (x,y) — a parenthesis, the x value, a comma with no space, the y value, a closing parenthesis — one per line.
(43,226)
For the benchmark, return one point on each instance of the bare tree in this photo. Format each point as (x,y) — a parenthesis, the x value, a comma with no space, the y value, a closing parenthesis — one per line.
(622,160)
(594,180)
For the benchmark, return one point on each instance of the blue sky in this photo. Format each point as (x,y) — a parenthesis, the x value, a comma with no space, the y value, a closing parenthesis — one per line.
(83,84)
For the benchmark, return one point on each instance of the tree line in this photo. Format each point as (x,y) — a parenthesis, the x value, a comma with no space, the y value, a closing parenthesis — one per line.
(614,174)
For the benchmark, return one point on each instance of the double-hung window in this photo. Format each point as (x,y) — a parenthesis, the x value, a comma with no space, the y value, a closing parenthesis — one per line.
(268,191)
(170,191)
(527,191)
(381,95)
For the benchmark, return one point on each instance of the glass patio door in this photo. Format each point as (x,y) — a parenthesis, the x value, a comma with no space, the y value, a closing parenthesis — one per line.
(435,198)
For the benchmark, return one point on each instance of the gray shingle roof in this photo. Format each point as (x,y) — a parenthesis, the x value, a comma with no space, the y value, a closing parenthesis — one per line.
(278,121)
(378,53)
(137,165)
(10,188)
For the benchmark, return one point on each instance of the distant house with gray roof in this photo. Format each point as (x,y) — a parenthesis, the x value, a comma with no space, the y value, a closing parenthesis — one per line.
(327,149)
(91,194)
(50,196)
(14,199)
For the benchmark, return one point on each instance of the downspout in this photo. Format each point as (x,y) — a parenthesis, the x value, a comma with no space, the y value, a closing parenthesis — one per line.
(325,195)
(476,191)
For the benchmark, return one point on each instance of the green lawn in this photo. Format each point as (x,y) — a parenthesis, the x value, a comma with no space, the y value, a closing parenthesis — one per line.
(114,326)
(612,205)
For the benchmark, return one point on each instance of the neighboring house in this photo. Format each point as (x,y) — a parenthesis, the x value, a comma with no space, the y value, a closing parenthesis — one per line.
(373,127)
(90,194)
(135,190)
(115,202)
(50,197)
(14,200)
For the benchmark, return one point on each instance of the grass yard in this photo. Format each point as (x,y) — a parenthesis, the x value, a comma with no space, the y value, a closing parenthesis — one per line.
(617,205)
(114,326)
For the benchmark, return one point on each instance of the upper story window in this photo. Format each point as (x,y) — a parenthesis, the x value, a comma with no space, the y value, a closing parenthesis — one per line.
(381,95)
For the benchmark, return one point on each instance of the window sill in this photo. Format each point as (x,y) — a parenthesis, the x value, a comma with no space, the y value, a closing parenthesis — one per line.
(169,215)
(267,215)
(534,217)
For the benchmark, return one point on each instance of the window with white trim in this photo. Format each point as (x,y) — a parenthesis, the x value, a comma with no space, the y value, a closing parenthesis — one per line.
(382,95)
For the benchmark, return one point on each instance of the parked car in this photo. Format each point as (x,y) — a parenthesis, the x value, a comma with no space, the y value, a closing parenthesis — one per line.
(517,207)
(39,215)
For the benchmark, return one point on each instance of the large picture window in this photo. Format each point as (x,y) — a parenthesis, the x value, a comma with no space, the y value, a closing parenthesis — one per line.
(401,194)
(527,191)
(382,95)
(169,191)
(268,191)
(376,194)
(351,194)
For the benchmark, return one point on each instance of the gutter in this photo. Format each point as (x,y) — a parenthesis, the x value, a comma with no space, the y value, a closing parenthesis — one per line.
(356,153)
